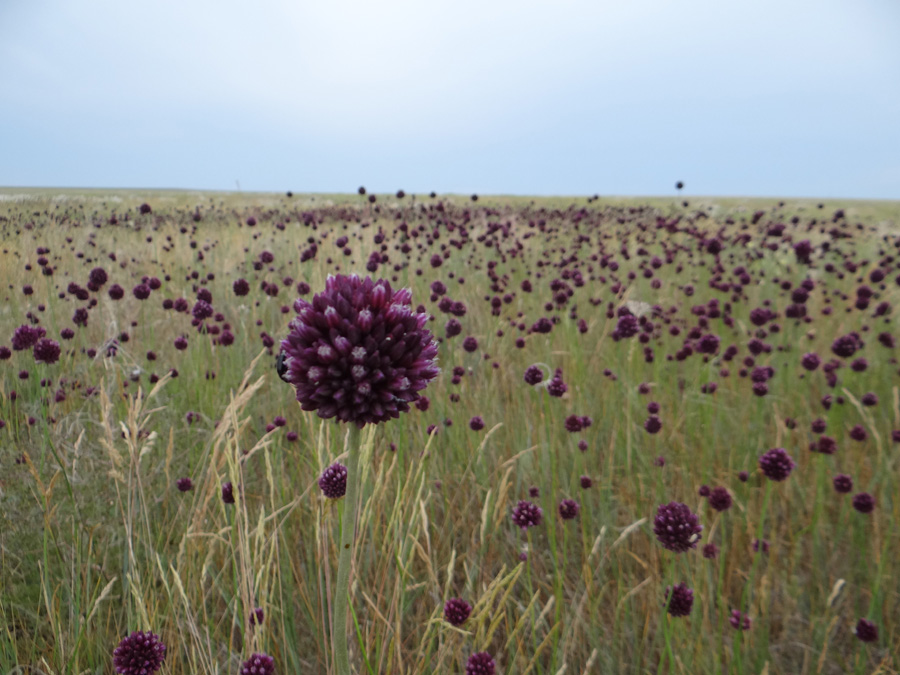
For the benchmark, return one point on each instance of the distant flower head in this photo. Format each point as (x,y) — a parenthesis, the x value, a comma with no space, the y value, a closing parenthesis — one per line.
(358,352)
(676,527)
(586,482)
(228,493)
(457,611)
(866,631)
(864,502)
(258,664)
(476,423)
(776,464)
(653,424)
(847,345)
(627,326)
(46,351)
(739,620)
(184,484)
(568,509)
(556,387)
(533,375)
(480,663)
(710,551)
(333,481)
(26,337)
(139,654)
(720,499)
(679,599)
(527,514)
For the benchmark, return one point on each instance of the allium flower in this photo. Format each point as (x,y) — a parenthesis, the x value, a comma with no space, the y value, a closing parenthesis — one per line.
(139,654)
(358,352)
(653,424)
(556,387)
(710,551)
(568,509)
(864,502)
(141,291)
(627,326)
(843,483)
(526,514)
(776,464)
(333,481)
(184,484)
(257,616)
(679,599)
(720,499)
(847,345)
(866,631)
(470,344)
(457,611)
(586,482)
(480,663)
(26,337)
(676,527)
(258,664)
(739,620)
(228,493)
(476,423)
(202,310)
(46,351)
(98,277)
(533,375)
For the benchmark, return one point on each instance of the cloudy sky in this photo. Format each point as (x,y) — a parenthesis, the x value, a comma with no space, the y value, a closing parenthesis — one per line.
(734,97)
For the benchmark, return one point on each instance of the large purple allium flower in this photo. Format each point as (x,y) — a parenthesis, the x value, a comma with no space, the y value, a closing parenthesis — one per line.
(480,663)
(679,599)
(776,464)
(527,514)
(26,337)
(258,664)
(676,527)
(359,352)
(457,611)
(866,631)
(333,481)
(139,654)
(46,351)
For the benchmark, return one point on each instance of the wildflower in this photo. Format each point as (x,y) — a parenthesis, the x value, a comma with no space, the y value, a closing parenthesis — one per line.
(533,375)
(358,352)
(184,484)
(776,464)
(480,663)
(46,351)
(586,482)
(228,493)
(864,502)
(866,631)
(739,620)
(710,551)
(476,423)
(676,527)
(333,481)
(679,599)
(568,509)
(556,387)
(653,424)
(457,611)
(527,514)
(720,499)
(847,345)
(258,664)
(139,654)
(26,337)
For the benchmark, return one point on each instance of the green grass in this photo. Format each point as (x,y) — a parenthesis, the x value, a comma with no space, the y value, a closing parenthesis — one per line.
(95,540)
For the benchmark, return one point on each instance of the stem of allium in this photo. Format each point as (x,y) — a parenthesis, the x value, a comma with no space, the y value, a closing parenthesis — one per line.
(348,525)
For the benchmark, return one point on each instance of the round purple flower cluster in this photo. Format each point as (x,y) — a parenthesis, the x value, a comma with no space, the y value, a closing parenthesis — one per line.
(480,663)
(533,375)
(457,611)
(46,351)
(527,514)
(333,481)
(776,464)
(26,337)
(568,509)
(676,527)
(258,664)
(866,631)
(358,352)
(139,654)
(720,499)
(679,599)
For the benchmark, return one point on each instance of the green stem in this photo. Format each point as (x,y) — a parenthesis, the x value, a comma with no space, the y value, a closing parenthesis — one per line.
(348,524)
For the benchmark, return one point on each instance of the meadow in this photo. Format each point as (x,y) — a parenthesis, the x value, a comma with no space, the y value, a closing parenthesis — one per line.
(600,359)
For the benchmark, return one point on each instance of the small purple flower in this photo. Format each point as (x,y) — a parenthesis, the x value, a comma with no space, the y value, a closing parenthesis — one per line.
(184,484)
(527,514)
(141,291)
(866,631)
(843,484)
(653,424)
(228,493)
(46,351)
(858,433)
(676,527)
(202,310)
(139,654)
(470,344)
(864,502)
(556,387)
(258,664)
(533,375)
(776,464)
(333,481)
(586,482)
(480,663)
(743,476)
(476,423)
(760,544)
(358,352)
(457,611)
(568,509)
(679,599)
(739,620)
(720,499)
(257,616)
(25,337)
(847,345)
(710,551)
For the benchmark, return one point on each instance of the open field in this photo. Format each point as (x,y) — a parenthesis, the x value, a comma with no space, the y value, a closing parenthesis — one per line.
(682,334)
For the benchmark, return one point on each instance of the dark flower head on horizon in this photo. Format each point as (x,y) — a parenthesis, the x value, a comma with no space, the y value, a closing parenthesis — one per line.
(358,352)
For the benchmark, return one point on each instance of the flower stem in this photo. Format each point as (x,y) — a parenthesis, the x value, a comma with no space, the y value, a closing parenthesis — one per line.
(348,524)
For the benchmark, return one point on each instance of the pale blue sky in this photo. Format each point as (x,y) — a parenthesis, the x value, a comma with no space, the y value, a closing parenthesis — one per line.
(734,97)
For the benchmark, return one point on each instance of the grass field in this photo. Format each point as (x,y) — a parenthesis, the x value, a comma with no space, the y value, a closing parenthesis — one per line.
(96,540)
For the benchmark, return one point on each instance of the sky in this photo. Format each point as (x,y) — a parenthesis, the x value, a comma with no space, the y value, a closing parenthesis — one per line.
(789,98)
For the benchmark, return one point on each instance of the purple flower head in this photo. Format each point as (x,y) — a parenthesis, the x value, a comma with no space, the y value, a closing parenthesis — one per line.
(526,514)
(202,310)
(866,631)
(708,344)
(586,482)
(470,344)
(46,351)
(676,527)
(679,599)
(480,663)
(776,464)
(843,483)
(847,345)
(556,387)
(184,484)
(476,423)
(720,499)
(568,509)
(258,664)
(358,352)
(739,620)
(26,337)
(573,424)
(810,361)
(533,375)
(627,326)
(257,616)
(141,291)
(710,551)
(333,481)
(139,654)
(864,502)
(653,424)
(457,611)
(228,493)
